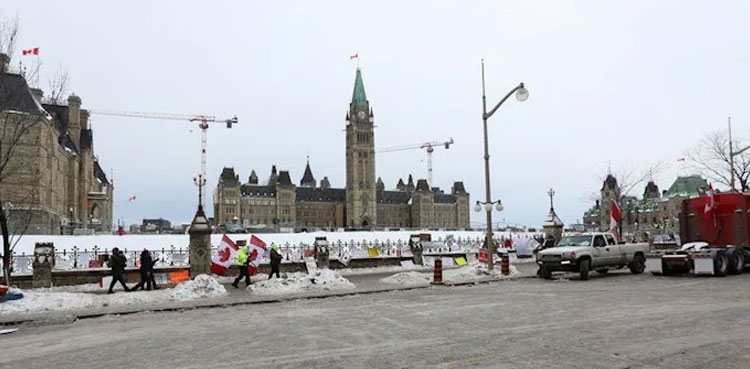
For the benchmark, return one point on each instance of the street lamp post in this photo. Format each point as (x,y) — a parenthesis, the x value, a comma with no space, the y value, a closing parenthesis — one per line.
(521,94)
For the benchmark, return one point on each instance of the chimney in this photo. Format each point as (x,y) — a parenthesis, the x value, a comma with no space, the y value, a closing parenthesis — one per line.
(84,119)
(4,61)
(74,119)
(38,93)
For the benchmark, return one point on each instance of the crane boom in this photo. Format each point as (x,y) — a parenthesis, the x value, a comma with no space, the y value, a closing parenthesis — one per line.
(203,121)
(429,146)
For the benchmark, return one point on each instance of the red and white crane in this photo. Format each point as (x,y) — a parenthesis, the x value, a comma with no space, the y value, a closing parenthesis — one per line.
(429,147)
(202,120)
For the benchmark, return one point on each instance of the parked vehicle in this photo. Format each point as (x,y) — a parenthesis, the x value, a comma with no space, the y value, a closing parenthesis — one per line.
(715,230)
(591,251)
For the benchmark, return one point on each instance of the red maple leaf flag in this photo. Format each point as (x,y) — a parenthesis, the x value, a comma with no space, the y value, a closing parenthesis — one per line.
(256,253)
(131,198)
(225,258)
(32,51)
(354,56)
(614,219)
(708,210)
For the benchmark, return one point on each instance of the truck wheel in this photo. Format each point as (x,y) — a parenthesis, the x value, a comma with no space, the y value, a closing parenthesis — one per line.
(721,264)
(545,273)
(638,265)
(583,269)
(736,262)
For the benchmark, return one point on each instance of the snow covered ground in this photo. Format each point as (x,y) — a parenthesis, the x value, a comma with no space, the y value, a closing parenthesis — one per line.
(291,283)
(65,298)
(155,242)
(471,272)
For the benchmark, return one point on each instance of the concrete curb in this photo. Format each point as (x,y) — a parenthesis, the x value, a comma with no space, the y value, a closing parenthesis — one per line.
(56,317)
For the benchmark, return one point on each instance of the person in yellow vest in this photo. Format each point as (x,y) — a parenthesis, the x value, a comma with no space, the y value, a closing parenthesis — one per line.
(242,263)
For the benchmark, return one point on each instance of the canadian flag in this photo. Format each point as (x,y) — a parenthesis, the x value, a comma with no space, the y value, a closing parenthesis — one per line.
(354,56)
(33,51)
(614,219)
(708,210)
(225,258)
(131,198)
(256,252)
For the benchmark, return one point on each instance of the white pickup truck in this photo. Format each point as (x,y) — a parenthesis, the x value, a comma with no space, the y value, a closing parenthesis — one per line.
(591,251)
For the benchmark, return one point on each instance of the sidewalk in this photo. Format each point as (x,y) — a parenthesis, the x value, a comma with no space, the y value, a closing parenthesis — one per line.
(365,284)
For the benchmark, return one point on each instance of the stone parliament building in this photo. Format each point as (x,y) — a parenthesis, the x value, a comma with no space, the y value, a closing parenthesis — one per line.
(52,183)
(363,203)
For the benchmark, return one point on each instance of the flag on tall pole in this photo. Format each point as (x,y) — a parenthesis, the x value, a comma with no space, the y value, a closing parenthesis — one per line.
(131,198)
(614,219)
(32,51)
(354,56)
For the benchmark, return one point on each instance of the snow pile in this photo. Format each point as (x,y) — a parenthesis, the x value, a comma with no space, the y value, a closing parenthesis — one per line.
(202,286)
(320,280)
(376,270)
(54,301)
(408,278)
(476,271)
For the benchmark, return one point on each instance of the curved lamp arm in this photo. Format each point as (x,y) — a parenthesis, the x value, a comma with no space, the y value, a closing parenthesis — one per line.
(487,115)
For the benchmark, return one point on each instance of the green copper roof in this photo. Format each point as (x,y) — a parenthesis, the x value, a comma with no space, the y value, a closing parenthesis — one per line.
(359,97)
(686,186)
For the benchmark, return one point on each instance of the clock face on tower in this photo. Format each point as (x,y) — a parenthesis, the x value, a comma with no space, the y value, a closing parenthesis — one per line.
(361,115)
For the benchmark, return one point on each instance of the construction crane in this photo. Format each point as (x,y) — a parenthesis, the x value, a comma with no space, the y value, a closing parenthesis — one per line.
(429,147)
(203,121)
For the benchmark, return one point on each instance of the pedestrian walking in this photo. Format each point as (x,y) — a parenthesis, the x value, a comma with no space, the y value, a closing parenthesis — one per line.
(275,261)
(242,263)
(117,263)
(147,272)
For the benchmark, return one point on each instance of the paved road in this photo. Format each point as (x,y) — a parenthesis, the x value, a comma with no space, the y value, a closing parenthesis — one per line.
(617,321)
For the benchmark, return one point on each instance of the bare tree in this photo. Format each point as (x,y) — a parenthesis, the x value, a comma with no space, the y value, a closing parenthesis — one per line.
(18,117)
(58,86)
(9,33)
(711,159)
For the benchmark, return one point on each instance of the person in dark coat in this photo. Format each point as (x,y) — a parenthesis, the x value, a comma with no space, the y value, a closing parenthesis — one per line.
(117,263)
(275,261)
(147,272)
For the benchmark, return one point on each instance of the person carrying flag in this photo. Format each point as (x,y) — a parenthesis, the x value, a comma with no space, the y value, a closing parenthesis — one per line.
(242,263)
(275,261)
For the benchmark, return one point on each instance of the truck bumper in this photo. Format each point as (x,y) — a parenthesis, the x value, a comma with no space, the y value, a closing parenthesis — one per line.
(560,266)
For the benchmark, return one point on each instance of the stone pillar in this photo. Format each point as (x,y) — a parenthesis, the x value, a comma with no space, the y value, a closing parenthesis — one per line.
(321,252)
(200,244)
(44,260)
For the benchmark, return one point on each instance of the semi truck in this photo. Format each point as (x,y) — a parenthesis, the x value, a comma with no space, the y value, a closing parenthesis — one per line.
(715,236)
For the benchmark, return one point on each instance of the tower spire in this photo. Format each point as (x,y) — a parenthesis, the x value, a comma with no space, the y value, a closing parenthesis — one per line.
(359,98)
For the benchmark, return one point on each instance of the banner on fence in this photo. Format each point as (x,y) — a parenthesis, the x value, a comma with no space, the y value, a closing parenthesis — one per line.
(483,255)
(161,278)
(407,264)
(345,257)
(428,261)
(311,265)
(447,262)
(461,261)
(372,252)
(179,276)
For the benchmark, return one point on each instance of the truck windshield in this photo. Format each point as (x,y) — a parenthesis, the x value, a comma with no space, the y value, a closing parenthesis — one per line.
(575,241)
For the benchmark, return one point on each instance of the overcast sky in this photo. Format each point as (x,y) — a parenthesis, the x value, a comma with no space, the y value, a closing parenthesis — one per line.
(626,83)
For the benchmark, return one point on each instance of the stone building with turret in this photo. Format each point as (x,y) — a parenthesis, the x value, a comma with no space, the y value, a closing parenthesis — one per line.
(53,181)
(364,202)
(654,212)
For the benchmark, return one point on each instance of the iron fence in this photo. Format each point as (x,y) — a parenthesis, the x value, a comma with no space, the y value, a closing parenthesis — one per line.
(87,258)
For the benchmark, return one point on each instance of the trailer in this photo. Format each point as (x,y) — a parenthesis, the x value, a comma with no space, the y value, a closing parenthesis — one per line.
(715,231)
